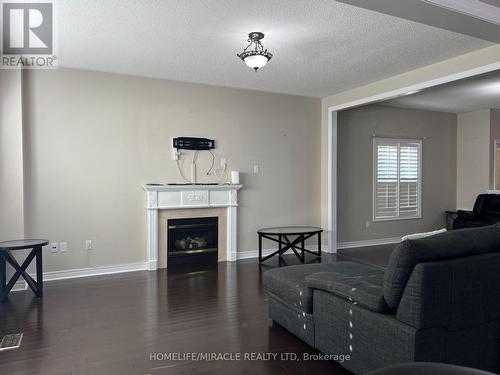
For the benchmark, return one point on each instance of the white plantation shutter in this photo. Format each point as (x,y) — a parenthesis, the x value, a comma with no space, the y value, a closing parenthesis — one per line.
(397,178)
(409,165)
(386,193)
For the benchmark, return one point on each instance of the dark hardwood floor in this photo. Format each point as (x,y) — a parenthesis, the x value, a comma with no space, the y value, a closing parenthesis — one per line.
(113,324)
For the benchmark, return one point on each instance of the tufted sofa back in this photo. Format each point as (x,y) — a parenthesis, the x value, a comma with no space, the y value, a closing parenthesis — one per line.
(451,245)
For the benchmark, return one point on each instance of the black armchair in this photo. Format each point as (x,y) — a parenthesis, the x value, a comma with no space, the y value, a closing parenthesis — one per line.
(486,211)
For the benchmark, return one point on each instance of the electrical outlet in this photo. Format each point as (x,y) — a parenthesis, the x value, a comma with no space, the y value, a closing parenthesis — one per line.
(88,245)
(54,247)
(63,247)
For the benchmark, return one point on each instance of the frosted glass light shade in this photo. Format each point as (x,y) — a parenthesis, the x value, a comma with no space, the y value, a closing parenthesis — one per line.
(256,61)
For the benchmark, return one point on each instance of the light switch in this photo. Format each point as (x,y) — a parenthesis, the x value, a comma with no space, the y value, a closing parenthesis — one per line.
(88,245)
(256,168)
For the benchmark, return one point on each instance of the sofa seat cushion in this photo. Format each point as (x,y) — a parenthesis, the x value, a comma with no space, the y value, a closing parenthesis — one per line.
(288,283)
(364,289)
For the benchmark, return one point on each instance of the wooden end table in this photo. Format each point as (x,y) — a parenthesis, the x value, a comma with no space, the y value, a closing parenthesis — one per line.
(6,256)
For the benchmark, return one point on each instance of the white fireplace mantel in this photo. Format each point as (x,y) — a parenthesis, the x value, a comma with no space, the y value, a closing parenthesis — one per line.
(172,197)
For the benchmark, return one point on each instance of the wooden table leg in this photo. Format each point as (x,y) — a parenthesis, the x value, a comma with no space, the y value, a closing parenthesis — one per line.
(3,280)
(39,271)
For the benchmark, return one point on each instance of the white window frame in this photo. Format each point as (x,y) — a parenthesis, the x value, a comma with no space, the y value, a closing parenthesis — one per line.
(376,141)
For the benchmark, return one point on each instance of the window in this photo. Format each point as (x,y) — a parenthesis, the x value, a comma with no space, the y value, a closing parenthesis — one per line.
(397,179)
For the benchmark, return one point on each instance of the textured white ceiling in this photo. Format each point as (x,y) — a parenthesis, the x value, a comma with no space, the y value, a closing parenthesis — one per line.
(466,95)
(320,47)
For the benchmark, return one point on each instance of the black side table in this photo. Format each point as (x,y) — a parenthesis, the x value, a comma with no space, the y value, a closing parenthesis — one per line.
(6,257)
(282,235)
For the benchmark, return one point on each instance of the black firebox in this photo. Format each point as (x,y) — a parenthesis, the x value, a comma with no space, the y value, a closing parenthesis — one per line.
(193,240)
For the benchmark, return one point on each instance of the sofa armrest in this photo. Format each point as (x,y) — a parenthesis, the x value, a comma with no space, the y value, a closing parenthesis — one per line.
(364,290)
(466,214)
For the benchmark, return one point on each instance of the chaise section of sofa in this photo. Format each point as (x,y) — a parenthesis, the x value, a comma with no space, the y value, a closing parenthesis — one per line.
(290,300)
(290,293)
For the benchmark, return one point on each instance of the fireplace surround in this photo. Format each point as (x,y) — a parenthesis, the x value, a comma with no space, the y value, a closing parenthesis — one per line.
(165,202)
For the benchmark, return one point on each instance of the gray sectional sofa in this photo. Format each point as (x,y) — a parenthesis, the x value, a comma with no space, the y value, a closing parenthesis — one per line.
(438,300)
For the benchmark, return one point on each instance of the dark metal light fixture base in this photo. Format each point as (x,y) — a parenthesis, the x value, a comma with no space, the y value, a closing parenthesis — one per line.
(256,35)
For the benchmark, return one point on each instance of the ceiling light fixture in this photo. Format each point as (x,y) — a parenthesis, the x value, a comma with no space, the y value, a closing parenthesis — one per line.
(257,57)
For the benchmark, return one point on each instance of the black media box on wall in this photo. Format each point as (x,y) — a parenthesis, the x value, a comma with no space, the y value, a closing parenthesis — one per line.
(191,143)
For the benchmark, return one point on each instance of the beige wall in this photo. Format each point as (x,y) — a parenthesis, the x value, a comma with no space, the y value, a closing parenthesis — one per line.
(356,128)
(11,156)
(93,139)
(473,156)
(466,62)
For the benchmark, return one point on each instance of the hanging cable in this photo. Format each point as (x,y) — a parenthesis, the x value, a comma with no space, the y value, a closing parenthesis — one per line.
(223,177)
(182,174)
(213,162)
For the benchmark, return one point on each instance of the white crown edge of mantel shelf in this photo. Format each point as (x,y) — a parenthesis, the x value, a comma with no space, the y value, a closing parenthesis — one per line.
(166,187)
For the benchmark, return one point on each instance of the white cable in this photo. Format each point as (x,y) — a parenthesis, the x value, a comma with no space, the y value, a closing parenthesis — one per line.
(222,178)
(180,172)
(221,174)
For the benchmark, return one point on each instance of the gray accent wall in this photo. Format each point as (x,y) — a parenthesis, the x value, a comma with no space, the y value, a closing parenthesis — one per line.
(356,128)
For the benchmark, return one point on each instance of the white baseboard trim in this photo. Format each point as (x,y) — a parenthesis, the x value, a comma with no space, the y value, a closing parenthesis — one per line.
(83,272)
(381,241)
(325,249)
(94,271)
(19,285)
(255,253)
(152,265)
